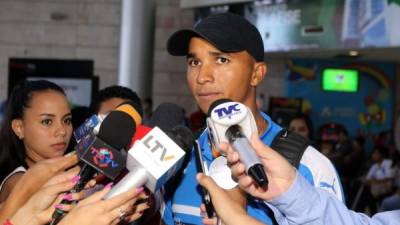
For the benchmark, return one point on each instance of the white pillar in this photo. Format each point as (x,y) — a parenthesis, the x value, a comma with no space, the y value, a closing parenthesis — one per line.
(136,45)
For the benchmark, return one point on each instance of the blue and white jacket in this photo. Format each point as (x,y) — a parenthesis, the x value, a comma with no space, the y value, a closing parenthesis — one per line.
(182,206)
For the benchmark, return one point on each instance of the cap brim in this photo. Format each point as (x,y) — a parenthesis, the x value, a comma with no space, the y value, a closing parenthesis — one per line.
(178,43)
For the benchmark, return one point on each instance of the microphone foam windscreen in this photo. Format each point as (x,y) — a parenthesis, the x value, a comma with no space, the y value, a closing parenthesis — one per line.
(117,129)
(132,109)
(167,115)
(182,136)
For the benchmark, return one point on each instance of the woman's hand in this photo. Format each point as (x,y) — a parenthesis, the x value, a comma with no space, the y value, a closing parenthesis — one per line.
(94,210)
(40,207)
(34,179)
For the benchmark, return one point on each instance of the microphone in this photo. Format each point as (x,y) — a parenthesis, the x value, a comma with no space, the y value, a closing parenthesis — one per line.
(154,159)
(167,115)
(105,152)
(91,124)
(233,122)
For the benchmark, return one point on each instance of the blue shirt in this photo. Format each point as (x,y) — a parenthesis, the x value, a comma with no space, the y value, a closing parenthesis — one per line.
(303,204)
(182,205)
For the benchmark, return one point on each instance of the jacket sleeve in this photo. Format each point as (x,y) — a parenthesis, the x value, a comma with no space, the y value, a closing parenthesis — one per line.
(323,172)
(304,204)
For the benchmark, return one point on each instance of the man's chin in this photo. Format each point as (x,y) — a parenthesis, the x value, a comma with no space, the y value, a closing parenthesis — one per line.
(204,109)
(205,104)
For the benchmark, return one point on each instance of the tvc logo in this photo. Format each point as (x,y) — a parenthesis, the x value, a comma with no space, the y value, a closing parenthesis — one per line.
(227,111)
(103,158)
(155,145)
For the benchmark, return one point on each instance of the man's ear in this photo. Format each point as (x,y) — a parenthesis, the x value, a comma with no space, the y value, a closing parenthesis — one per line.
(18,128)
(260,69)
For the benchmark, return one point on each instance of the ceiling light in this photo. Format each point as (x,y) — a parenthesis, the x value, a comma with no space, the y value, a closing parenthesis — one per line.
(353,53)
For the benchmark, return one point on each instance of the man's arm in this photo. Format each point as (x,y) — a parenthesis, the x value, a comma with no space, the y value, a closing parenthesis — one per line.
(293,196)
(304,204)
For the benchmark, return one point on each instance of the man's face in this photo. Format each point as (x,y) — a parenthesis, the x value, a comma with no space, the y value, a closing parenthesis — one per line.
(213,74)
(110,104)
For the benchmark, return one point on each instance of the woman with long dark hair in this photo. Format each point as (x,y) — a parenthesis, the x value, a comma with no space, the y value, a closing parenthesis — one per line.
(36,126)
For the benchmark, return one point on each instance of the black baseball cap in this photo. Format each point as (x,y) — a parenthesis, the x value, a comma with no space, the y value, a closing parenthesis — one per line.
(226,31)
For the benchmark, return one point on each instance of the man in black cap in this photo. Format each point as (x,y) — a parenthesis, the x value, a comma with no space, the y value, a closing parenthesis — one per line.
(225,59)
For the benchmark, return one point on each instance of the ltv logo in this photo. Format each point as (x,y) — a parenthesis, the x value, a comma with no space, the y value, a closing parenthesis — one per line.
(154,146)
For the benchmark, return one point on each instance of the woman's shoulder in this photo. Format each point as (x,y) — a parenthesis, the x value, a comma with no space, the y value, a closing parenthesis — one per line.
(10,181)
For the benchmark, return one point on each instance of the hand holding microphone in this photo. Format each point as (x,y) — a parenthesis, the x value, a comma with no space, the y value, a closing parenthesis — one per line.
(280,172)
(96,210)
(104,152)
(34,178)
(233,122)
(39,208)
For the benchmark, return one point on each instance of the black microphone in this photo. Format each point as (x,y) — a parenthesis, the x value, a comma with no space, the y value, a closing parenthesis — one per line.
(167,116)
(104,152)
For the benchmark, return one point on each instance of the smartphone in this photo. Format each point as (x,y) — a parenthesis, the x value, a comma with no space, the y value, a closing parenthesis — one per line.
(203,168)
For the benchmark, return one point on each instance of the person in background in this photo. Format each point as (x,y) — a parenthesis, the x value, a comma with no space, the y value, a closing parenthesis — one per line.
(147,109)
(378,182)
(302,125)
(109,98)
(343,147)
(393,201)
(354,167)
(380,176)
(37,126)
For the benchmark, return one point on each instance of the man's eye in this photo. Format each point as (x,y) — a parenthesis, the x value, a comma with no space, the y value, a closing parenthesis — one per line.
(222,60)
(193,62)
